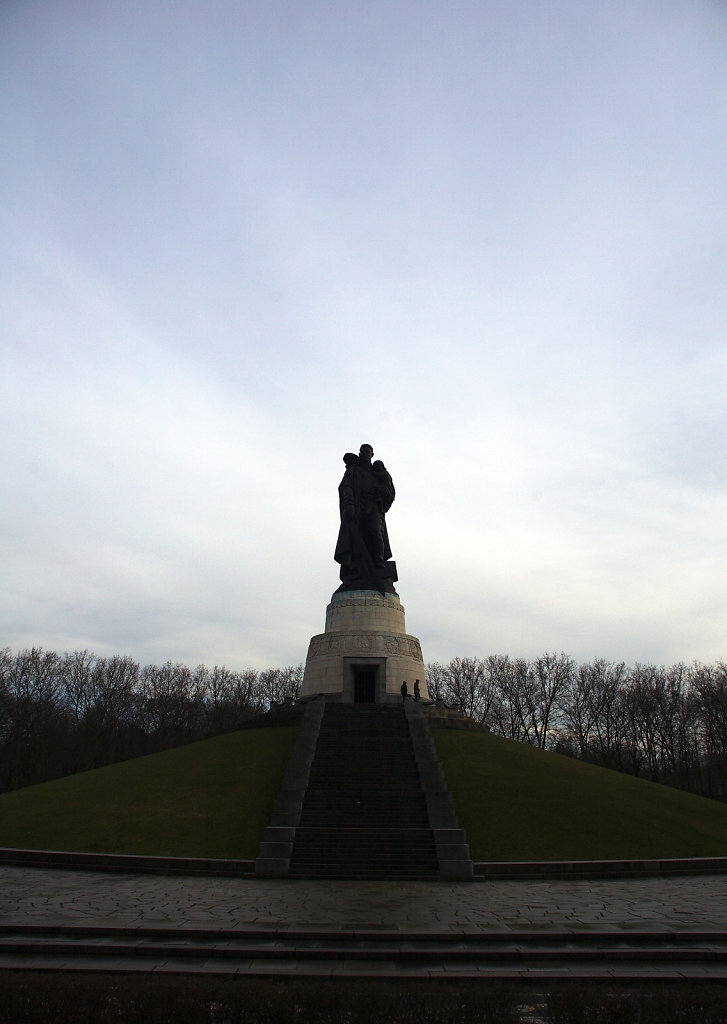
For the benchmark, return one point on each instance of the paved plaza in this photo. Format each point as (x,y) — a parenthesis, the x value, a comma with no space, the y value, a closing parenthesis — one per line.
(51,897)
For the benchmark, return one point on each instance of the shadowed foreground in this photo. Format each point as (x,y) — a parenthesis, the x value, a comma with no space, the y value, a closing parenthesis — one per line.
(113,1000)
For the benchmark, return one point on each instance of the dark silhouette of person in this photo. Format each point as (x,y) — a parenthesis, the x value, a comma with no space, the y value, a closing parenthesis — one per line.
(417,695)
(404,691)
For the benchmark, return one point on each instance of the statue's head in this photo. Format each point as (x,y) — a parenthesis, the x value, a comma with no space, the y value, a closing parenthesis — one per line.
(366,452)
(349,458)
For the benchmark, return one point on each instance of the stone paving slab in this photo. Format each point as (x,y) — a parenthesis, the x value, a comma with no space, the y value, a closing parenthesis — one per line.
(54,897)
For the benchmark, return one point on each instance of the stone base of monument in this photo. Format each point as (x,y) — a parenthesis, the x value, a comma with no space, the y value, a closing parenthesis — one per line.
(365,653)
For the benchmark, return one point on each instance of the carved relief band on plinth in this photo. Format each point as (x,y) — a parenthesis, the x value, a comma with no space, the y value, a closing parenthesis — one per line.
(406,646)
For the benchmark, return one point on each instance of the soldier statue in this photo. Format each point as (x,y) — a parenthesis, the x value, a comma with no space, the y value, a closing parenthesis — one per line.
(366,494)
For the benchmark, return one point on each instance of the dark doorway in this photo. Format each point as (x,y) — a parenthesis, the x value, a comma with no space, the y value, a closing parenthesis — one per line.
(364,685)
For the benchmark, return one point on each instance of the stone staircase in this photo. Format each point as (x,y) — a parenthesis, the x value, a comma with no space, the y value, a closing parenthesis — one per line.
(364,815)
(364,797)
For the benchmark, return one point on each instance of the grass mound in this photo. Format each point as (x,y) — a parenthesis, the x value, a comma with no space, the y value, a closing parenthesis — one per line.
(207,799)
(214,798)
(519,803)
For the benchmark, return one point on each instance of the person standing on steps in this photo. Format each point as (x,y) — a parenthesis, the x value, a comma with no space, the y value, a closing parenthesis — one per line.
(417,694)
(404,691)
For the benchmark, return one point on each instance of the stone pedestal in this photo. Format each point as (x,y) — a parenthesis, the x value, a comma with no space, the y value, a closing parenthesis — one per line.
(365,653)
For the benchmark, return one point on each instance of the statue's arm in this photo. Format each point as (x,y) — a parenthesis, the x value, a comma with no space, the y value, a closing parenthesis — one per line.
(387,493)
(347,500)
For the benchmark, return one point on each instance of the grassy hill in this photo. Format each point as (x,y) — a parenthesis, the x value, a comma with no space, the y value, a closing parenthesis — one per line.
(520,803)
(207,799)
(214,798)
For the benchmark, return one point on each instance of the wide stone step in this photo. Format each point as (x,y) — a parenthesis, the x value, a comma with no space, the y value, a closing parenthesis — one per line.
(341,756)
(330,797)
(371,834)
(413,817)
(329,873)
(370,754)
(371,785)
(384,813)
(390,775)
(365,853)
(372,820)
(373,781)
(368,857)
(356,835)
(404,862)
(360,952)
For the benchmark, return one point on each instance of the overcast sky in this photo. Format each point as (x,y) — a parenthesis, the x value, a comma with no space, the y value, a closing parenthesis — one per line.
(242,237)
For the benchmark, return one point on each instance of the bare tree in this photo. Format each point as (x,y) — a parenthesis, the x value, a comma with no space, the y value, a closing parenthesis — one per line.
(245,697)
(553,674)
(77,671)
(469,687)
(36,730)
(171,707)
(711,686)
(436,676)
(275,684)
(6,699)
(510,711)
(590,710)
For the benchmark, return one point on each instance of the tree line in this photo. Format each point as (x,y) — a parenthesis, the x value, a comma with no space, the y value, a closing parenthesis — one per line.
(667,723)
(65,713)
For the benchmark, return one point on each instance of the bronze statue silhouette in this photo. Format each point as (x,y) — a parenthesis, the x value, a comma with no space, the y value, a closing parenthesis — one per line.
(366,494)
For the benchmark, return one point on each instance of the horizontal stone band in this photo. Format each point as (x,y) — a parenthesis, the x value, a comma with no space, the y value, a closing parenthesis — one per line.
(372,644)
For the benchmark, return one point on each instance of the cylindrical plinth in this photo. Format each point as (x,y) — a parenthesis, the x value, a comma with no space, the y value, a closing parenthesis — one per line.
(365,653)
